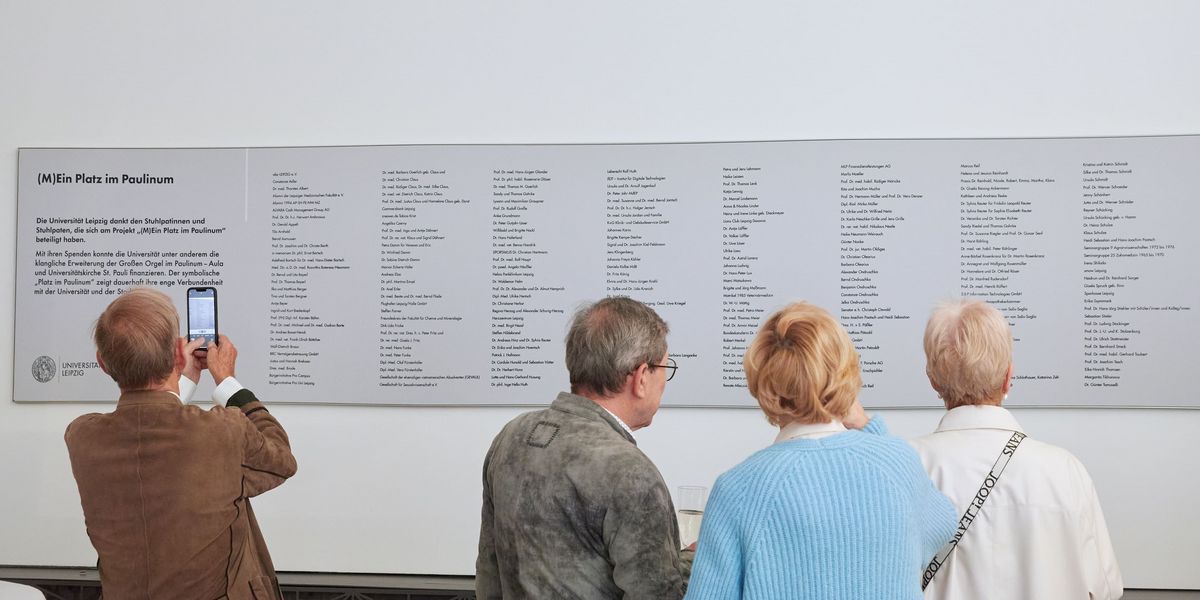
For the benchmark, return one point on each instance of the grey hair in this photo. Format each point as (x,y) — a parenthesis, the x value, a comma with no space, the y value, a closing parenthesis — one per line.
(609,339)
(135,338)
(968,349)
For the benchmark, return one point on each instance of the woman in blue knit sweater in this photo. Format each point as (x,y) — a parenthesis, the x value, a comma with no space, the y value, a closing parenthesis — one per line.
(836,508)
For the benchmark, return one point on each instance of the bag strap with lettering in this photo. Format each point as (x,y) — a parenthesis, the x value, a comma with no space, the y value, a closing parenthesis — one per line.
(973,508)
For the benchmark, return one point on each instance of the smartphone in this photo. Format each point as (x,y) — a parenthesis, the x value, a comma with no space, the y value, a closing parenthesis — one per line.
(202,314)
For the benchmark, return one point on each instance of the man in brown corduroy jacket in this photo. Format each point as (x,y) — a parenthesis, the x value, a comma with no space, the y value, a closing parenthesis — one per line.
(165,486)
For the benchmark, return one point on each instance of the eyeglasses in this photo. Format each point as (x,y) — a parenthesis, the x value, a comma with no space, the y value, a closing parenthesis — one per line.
(670,365)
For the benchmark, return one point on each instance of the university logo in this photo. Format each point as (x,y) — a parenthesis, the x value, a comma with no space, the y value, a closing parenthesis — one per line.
(44,369)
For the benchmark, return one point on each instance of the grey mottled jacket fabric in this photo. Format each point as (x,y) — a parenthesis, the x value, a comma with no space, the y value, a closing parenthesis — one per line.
(572,509)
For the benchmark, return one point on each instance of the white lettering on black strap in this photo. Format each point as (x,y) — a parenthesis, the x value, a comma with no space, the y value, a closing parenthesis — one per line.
(973,508)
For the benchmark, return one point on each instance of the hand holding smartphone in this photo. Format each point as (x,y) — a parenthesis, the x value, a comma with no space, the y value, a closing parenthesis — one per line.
(202,314)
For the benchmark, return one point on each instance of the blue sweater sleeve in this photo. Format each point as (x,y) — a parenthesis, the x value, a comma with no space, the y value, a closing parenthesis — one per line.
(935,513)
(939,517)
(717,570)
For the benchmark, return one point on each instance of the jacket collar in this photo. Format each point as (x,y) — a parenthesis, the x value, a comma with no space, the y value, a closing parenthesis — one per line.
(143,397)
(978,417)
(583,407)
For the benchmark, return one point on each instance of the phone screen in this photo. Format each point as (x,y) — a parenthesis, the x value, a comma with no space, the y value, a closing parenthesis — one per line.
(202,313)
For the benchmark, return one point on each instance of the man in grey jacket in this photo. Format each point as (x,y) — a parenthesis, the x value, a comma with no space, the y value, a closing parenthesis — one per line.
(571,507)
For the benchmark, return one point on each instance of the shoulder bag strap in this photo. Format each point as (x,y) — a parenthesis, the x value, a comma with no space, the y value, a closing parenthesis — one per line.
(973,508)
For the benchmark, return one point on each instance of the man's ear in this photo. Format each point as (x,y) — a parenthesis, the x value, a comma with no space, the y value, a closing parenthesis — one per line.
(100,361)
(180,359)
(638,381)
(1007,379)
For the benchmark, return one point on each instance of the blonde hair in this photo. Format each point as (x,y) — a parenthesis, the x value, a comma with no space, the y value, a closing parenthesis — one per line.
(802,366)
(135,338)
(968,350)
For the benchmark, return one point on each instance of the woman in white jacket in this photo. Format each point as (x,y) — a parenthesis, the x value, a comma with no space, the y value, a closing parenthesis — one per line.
(1036,532)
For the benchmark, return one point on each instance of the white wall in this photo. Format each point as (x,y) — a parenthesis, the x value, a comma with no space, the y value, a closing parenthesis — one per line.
(395,490)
